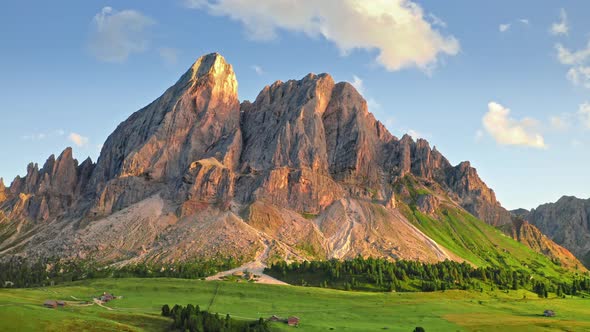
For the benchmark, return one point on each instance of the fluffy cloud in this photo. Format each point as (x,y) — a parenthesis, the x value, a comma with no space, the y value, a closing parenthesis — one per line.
(561,27)
(117,34)
(584,114)
(504,27)
(579,76)
(579,71)
(398,30)
(508,131)
(568,57)
(78,139)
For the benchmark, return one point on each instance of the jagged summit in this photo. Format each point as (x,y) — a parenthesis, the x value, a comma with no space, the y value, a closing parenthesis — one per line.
(211,70)
(303,171)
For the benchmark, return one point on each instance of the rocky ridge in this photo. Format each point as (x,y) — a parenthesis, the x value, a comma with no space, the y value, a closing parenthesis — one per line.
(567,222)
(303,171)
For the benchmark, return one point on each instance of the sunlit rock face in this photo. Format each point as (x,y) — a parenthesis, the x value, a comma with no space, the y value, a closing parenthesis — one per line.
(48,192)
(303,171)
(195,119)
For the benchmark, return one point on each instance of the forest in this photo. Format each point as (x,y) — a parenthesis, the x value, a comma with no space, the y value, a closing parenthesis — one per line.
(376,274)
(191,318)
(19,273)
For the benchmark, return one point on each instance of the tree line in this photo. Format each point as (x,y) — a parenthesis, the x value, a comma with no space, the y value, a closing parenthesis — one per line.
(18,272)
(377,274)
(191,318)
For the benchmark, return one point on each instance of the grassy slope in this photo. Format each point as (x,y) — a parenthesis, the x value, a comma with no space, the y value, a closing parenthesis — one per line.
(480,243)
(319,309)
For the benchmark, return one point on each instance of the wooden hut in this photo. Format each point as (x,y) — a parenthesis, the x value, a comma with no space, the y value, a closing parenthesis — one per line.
(50,304)
(293,321)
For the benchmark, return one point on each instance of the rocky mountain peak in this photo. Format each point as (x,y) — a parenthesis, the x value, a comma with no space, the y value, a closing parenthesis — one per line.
(213,71)
(304,149)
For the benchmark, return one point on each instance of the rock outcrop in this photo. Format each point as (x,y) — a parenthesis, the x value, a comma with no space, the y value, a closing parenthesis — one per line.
(567,222)
(48,192)
(526,233)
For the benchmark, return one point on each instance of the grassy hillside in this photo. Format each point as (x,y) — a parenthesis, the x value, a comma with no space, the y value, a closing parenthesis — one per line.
(484,245)
(319,309)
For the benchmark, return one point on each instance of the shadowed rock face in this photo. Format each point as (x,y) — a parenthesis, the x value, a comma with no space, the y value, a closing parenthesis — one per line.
(303,170)
(567,222)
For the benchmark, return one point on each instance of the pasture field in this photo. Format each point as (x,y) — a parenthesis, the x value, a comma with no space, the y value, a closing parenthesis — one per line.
(319,309)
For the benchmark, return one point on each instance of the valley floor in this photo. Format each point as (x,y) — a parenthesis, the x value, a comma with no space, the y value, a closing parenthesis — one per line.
(319,309)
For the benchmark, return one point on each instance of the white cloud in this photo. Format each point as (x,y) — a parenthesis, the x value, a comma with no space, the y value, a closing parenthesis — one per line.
(436,21)
(508,131)
(258,70)
(506,26)
(78,139)
(169,55)
(584,114)
(579,76)
(117,34)
(579,71)
(357,82)
(397,30)
(568,57)
(561,27)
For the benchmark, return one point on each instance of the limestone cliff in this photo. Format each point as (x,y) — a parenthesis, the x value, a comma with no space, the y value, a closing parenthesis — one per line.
(303,171)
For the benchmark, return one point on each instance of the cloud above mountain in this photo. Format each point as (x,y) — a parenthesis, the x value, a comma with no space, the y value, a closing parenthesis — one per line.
(401,33)
(78,139)
(561,27)
(117,34)
(508,131)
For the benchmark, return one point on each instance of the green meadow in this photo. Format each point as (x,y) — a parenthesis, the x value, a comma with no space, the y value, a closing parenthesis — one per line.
(319,309)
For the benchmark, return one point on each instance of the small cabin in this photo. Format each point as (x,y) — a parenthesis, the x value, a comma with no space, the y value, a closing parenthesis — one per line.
(62,303)
(293,321)
(50,304)
(549,313)
(274,318)
(106,297)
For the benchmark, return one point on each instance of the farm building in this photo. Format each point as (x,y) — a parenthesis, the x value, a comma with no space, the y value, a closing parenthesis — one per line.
(50,304)
(548,313)
(106,297)
(293,321)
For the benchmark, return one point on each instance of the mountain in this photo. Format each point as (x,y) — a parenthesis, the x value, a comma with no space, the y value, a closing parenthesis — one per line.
(304,171)
(526,233)
(567,222)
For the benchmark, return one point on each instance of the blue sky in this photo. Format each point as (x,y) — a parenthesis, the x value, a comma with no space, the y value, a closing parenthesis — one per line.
(503,84)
